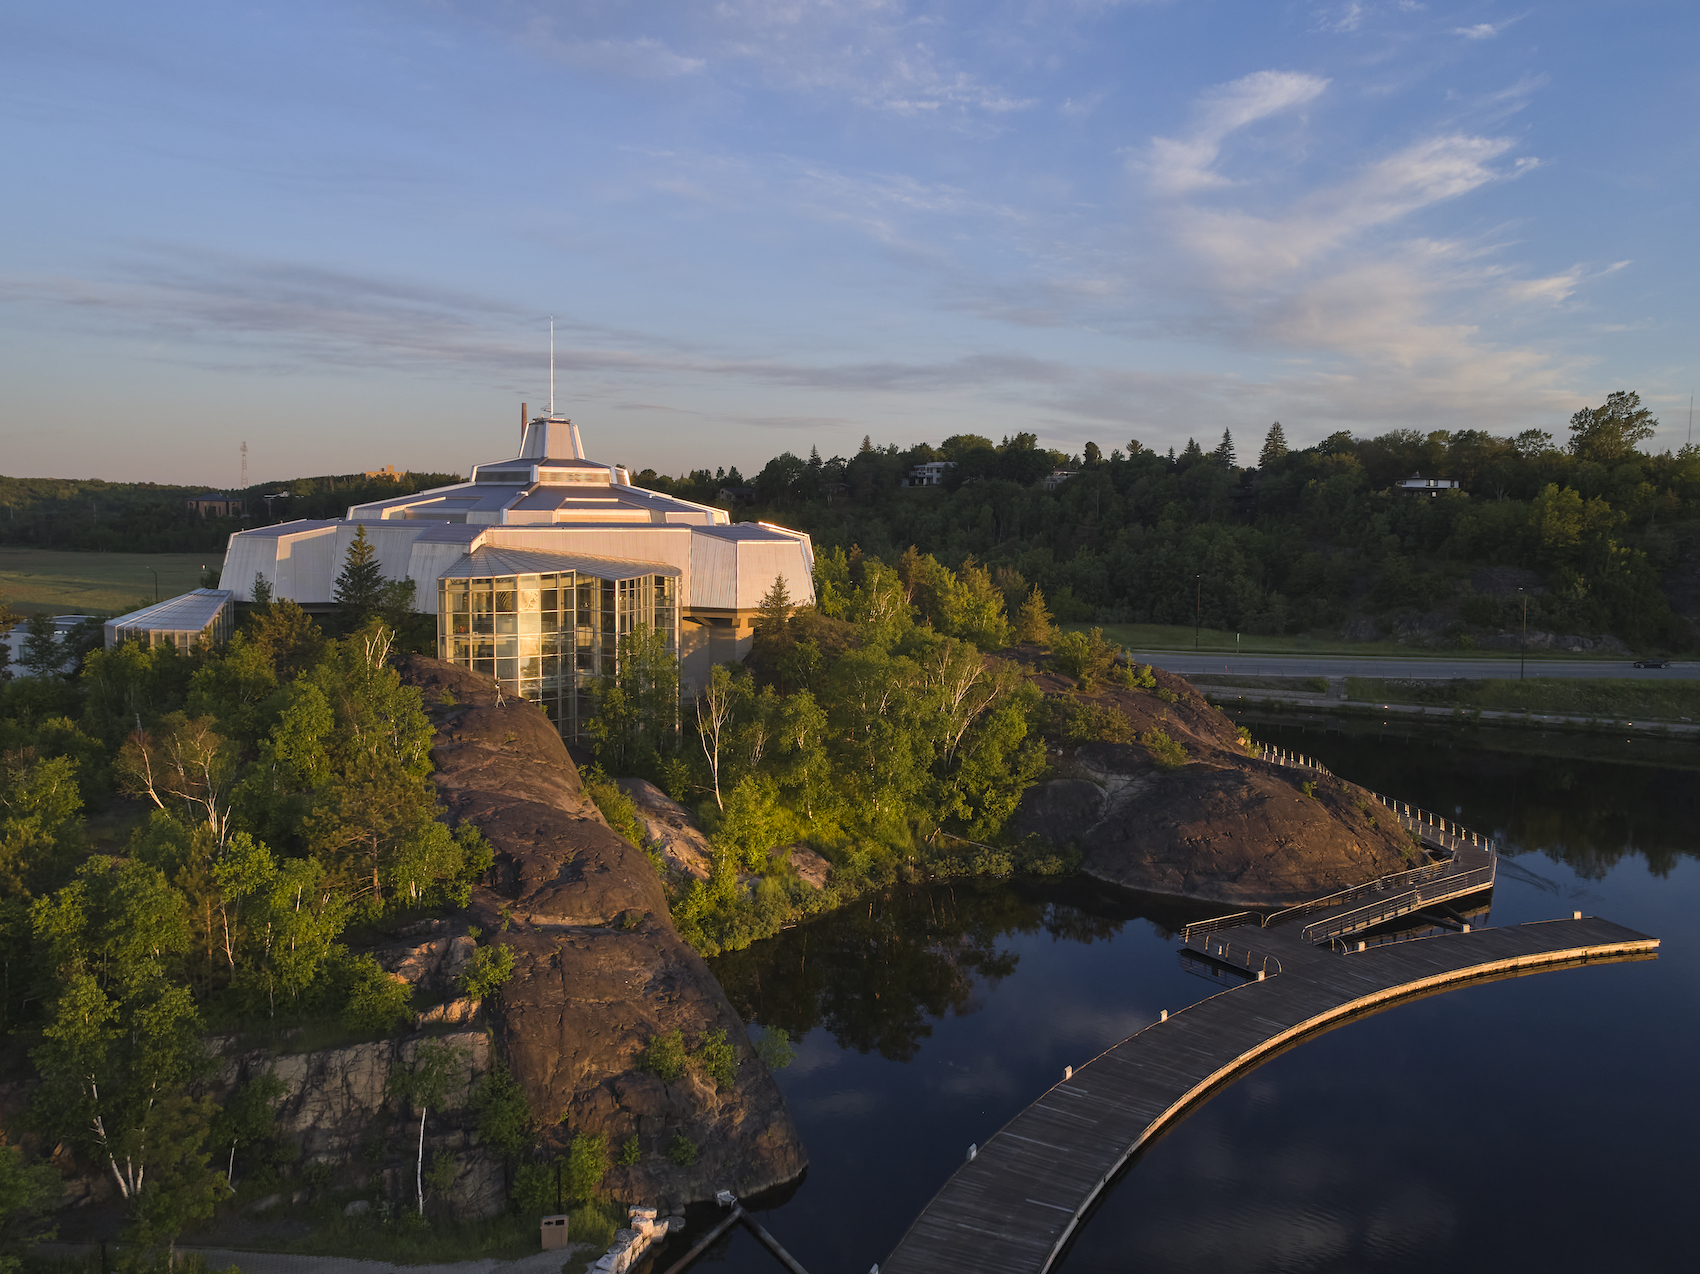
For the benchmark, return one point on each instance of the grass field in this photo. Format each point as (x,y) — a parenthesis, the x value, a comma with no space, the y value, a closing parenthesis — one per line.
(63,583)
(1610,699)
(1141,637)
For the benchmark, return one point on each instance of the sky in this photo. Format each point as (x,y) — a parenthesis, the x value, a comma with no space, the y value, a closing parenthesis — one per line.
(338,232)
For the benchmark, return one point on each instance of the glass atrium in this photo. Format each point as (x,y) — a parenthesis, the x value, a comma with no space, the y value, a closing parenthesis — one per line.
(547,635)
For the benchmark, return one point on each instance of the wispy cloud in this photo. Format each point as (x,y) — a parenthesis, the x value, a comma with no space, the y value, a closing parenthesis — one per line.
(1184,164)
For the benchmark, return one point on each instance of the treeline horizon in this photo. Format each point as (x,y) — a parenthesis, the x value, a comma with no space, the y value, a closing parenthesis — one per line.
(1600,535)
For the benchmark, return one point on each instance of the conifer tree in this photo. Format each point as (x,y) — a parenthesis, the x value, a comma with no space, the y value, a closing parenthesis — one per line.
(1224,452)
(1033,620)
(1274,446)
(360,587)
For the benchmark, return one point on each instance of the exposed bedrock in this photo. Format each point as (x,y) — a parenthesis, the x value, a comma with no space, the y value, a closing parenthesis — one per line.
(1225,827)
(599,969)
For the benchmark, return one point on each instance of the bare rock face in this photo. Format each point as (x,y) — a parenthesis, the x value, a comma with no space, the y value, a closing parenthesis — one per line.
(599,969)
(334,1107)
(1224,827)
(670,829)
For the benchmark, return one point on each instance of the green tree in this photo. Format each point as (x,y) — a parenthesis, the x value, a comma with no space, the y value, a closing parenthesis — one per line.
(42,654)
(1611,432)
(1224,453)
(1274,447)
(29,1193)
(121,1044)
(1033,621)
(360,587)
(637,709)
(433,1076)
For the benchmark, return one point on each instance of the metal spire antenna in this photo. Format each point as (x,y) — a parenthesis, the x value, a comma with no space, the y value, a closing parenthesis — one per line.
(551,367)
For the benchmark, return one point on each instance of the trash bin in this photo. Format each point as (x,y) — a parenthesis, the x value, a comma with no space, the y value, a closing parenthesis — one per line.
(554,1232)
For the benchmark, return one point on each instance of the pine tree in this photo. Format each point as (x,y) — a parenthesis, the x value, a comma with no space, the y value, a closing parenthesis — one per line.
(1192,453)
(1033,620)
(42,654)
(1224,452)
(1274,446)
(360,587)
(867,444)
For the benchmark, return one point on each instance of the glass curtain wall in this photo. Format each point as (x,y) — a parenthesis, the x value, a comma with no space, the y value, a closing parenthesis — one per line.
(547,638)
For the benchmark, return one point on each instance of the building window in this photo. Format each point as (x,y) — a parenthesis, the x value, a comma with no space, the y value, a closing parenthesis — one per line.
(548,637)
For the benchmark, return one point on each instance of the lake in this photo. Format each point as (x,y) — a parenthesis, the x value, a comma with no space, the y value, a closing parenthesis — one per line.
(1542,1122)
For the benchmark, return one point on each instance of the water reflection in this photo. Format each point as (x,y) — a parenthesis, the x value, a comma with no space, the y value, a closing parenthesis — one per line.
(880,973)
(1448,1133)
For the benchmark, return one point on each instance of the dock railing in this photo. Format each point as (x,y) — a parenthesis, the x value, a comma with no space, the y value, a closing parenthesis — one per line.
(1438,890)
(1235,953)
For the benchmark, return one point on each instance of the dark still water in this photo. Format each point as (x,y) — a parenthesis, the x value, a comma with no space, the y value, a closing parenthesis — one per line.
(1548,1122)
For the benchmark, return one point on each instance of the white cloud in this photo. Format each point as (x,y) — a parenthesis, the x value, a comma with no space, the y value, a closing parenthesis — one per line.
(1179,165)
(1481,31)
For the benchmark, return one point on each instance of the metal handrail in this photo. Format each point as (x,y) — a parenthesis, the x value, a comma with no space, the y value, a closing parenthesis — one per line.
(1361,917)
(1230,952)
(1397,881)
(1237,920)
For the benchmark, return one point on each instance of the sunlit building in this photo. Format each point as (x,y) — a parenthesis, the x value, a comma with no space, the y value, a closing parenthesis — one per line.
(538,565)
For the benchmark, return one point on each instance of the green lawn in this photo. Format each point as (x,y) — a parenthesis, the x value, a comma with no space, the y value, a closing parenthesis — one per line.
(63,583)
(1608,698)
(1153,637)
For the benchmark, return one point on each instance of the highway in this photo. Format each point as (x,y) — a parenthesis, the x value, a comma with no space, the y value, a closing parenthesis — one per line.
(1187,663)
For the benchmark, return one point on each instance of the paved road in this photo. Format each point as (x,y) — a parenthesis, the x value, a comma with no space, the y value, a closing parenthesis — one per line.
(1390,666)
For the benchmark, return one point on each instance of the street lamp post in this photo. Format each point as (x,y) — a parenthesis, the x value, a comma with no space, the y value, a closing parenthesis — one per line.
(1523,642)
(155,583)
(1197,612)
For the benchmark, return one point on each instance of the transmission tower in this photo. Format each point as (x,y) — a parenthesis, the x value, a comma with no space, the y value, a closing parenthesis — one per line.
(244,485)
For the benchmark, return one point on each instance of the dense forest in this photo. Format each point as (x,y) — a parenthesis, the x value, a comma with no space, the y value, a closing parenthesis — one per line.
(90,515)
(1604,537)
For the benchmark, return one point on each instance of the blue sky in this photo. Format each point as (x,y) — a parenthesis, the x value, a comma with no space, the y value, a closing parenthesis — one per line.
(337,232)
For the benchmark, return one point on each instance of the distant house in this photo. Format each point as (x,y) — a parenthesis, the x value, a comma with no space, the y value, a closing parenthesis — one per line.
(1056,477)
(215,504)
(737,495)
(387,473)
(930,474)
(1416,484)
(178,621)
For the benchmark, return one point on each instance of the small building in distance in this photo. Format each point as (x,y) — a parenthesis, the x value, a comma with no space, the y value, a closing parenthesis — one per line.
(1056,477)
(930,474)
(1416,484)
(19,633)
(387,473)
(736,495)
(215,504)
(180,621)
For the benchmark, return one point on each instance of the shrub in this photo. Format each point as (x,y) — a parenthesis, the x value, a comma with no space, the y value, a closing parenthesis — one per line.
(1083,656)
(587,1164)
(1309,789)
(1166,695)
(682,1150)
(534,1188)
(718,1059)
(664,1056)
(485,973)
(373,1000)
(630,1152)
(614,805)
(1168,754)
(1076,723)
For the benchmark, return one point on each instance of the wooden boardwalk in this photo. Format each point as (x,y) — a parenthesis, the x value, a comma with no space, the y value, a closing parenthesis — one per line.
(1014,1206)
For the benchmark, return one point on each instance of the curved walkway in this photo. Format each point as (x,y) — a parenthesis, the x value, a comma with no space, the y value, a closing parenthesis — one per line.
(1013,1207)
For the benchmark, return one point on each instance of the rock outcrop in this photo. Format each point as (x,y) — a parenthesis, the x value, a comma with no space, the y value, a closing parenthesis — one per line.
(1224,827)
(670,829)
(599,969)
(338,1107)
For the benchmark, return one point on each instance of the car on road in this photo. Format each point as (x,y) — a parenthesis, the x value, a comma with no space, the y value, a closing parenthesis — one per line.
(1652,663)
